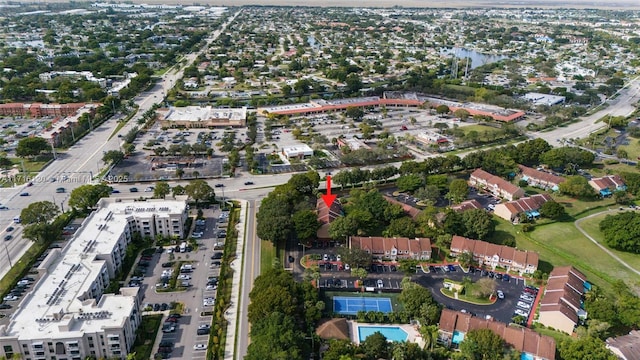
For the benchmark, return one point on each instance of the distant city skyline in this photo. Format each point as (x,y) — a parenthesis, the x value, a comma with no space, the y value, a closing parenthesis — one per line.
(578,4)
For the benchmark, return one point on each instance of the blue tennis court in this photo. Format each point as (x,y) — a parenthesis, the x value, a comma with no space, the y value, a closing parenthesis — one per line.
(351,305)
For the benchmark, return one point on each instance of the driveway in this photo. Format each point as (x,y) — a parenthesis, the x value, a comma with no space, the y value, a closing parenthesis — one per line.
(185,336)
(501,310)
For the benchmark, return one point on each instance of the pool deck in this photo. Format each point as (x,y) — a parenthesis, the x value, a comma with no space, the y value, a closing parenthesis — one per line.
(414,335)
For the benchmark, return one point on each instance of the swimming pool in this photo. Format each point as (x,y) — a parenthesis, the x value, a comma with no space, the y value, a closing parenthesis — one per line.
(392,333)
(458,337)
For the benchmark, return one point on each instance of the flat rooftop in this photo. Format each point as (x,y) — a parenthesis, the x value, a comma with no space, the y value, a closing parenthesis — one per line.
(197,113)
(54,307)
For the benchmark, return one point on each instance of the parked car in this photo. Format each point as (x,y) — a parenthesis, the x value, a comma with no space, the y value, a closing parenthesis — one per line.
(200,347)
(523,305)
(8,237)
(500,294)
(522,313)
(380,283)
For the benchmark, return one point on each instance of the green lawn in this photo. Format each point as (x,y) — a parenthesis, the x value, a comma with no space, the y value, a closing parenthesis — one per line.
(146,336)
(581,208)
(592,227)
(267,255)
(561,244)
(481,129)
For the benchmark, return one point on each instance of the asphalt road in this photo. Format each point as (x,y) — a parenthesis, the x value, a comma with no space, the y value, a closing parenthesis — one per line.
(622,105)
(250,270)
(79,163)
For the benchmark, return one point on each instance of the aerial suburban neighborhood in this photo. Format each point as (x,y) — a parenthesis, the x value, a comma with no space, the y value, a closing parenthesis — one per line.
(218,181)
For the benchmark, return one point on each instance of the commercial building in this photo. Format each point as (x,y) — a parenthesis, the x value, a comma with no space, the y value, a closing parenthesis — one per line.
(530,206)
(297,152)
(544,99)
(493,255)
(201,117)
(496,185)
(454,325)
(37,110)
(60,126)
(393,249)
(67,315)
(561,305)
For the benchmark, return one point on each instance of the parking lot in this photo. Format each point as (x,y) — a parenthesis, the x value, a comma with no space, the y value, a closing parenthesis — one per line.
(184,336)
(502,310)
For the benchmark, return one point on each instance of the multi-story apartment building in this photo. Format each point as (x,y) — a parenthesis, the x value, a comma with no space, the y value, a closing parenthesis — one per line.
(382,248)
(493,255)
(67,315)
(495,185)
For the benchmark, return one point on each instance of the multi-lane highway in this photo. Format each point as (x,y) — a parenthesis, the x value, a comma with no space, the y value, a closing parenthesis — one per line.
(78,164)
(622,105)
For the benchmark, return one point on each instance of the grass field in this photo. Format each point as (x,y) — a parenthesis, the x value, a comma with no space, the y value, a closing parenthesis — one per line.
(561,244)
(146,336)
(268,254)
(579,208)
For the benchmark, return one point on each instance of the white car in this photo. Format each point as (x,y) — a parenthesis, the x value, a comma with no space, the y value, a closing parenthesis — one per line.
(339,258)
(184,277)
(149,189)
(208,301)
(10,298)
(380,283)
(200,347)
(524,305)
(347,267)
(522,312)
(500,294)
(211,287)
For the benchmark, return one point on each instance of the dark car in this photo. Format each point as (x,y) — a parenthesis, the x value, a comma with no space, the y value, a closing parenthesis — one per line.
(5,306)
(505,277)
(164,307)
(498,276)
(432,268)
(60,190)
(248,183)
(133,189)
(176,316)
(156,307)
(167,264)
(204,331)
(216,256)
(24,194)
(451,267)
(219,185)
(8,237)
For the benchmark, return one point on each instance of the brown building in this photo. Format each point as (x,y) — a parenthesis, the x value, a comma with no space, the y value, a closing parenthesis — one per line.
(560,306)
(494,255)
(527,341)
(39,110)
(393,249)
(626,347)
(467,205)
(541,179)
(511,210)
(496,185)
(326,215)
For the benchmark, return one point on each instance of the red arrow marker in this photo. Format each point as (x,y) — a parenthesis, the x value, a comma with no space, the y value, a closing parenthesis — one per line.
(329,198)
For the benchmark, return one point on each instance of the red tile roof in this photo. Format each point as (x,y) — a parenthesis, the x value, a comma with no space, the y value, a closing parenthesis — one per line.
(383,245)
(496,181)
(564,289)
(541,176)
(467,205)
(480,248)
(522,339)
(611,182)
(408,209)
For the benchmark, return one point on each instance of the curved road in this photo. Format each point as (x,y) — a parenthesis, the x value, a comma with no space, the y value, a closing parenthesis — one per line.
(602,247)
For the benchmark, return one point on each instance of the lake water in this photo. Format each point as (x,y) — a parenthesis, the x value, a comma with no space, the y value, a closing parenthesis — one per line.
(476,58)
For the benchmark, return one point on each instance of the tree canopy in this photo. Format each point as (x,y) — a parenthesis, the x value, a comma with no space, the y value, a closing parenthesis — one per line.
(622,231)
(87,196)
(39,212)
(32,146)
(482,344)
(199,190)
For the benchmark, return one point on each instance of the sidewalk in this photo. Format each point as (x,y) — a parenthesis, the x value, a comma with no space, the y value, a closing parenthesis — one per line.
(232,313)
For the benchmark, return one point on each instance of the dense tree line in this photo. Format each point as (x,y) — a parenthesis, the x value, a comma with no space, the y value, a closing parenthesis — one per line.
(286,210)
(622,231)
(282,313)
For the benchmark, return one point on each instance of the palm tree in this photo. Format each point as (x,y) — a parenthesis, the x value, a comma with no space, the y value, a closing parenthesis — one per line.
(430,335)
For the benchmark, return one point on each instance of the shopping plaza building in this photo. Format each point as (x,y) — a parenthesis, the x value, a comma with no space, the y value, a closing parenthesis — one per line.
(66,315)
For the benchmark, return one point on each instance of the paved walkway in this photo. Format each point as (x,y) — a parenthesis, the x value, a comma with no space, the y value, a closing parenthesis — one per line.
(236,265)
(605,249)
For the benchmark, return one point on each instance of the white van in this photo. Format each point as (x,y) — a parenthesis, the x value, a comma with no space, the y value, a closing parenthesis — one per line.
(183,247)
(17,220)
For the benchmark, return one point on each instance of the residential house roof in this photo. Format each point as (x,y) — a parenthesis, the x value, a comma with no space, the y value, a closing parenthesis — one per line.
(563,308)
(483,248)
(326,215)
(564,287)
(607,182)
(382,245)
(627,345)
(542,176)
(467,205)
(333,329)
(408,209)
(496,181)
(532,203)
(522,339)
